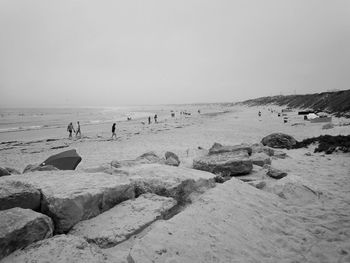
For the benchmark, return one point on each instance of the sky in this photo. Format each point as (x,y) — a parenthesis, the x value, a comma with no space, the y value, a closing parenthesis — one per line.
(133,52)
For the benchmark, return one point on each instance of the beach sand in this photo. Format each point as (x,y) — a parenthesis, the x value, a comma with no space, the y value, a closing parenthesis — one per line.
(325,219)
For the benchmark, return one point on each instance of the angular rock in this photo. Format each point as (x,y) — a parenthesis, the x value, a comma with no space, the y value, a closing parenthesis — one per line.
(146,158)
(21,227)
(172,161)
(69,197)
(4,172)
(59,249)
(293,189)
(12,170)
(276,173)
(259,148)
(36,167)
(279,140)
(260,159)
(176,182)
(150,157)
(226,164)
(280,154)
(171,155)
(18,194)
(124,220)
(218,148)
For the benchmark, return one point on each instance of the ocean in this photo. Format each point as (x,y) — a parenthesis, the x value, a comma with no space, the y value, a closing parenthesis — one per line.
(18,123)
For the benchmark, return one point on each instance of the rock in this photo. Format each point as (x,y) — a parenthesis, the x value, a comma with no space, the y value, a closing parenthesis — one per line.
(12,170)
(259,148)
(260,159)
(258,184)
(226,164)
(172,161)
(18,194)
(21,227)
(4,172)
(171,155)
(279,140)
(276,173)
(308,154)
(229,223)
(146,158)
(293,189)
(59,249)
(218,148)
(177,182)
(280,154)
(36,167)
(328,126)
(69,197)
(124,220)
(149,157)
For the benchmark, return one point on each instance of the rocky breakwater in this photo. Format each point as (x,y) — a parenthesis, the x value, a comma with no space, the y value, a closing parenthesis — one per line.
(69,197)
(83,203)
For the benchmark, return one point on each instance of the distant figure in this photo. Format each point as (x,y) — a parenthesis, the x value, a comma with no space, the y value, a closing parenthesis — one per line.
(155,118)
(199,111)
(149,119)
(70,129)
(259,113)
(113,131)
(78,130)
(129,118)
(173,114)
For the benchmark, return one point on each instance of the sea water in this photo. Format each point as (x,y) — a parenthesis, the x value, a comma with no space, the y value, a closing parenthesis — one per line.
(34,123)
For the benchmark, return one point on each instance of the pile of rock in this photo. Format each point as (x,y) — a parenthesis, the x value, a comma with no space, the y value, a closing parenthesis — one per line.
(63,200)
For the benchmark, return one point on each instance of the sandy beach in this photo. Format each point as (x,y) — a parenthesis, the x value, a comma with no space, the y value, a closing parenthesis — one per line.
(306,226)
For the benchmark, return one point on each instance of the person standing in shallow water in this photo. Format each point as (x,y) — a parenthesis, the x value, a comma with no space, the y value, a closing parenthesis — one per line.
(113,131)
(155,118)
(78,130)
(149,119)
(70,129)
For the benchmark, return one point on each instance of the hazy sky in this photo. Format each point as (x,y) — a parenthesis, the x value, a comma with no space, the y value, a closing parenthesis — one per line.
(110,53)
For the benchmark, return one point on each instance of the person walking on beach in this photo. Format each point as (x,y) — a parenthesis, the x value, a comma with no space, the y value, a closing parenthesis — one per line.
(149,119)
(113,131)
(155,118)
(78,130)
(70,129)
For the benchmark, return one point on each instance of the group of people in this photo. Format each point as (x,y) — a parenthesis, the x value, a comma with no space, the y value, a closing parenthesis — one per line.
(155,119)
(71,129)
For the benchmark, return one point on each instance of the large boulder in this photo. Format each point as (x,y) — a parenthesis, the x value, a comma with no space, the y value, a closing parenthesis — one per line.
(21,227)
(4,171)
(279,140)
(226,164)
(219,148)
(124,220)
(59,249)
(260,159)
(69,197)
(18,194)
(176,182)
